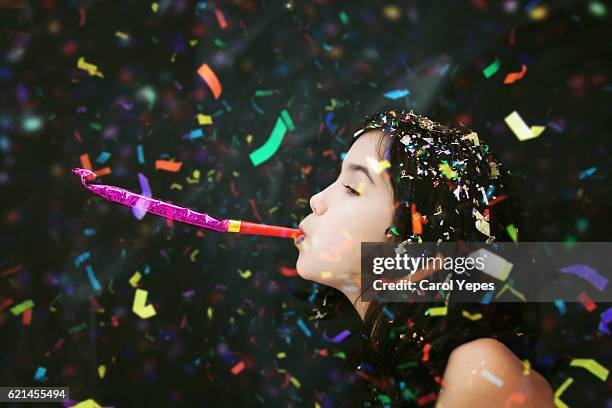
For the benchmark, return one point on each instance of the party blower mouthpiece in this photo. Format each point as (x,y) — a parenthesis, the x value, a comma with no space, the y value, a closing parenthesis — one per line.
(181,214)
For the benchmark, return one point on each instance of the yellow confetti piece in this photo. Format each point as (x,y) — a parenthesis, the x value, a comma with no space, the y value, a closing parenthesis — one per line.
(560,391)
(520,128)
(195,177)
(245,275)
(90,68)
(472,317)
(204,119)
(209,313)
(447,170)
(140,307)
(101,371)
(593,366)
(527,366)
(295,382)
(317,405)
(154,7)
(482,224)
(176,186)
(512,290)
(281,355)
(437,311)
(249,139)
(135,279)
(326,274)
(473,137)
(360,187)
(193,43)
(88,403)
(121,35)
(376,165)
(194,254)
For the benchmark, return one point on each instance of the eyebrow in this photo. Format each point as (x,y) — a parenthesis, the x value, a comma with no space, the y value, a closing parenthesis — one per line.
(357,167)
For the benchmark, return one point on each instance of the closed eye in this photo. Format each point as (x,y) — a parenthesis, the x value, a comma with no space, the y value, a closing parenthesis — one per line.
(350,190)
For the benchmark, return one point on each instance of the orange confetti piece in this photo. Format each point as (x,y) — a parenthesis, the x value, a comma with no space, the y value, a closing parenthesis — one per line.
(238,368)
(417,227)
(103,171)
(515,76)
(220,18)
(85,162)
(168,165)
(211,79)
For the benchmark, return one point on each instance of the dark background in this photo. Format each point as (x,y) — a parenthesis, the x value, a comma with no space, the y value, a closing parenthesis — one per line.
(328,72)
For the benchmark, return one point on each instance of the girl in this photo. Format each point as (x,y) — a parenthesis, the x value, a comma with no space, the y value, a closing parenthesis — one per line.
(406,178)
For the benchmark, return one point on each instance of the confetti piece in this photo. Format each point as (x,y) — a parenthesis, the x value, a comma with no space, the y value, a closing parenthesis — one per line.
(592,366)
(587,173)
(489,71)
(267,150)
(560,304)
(473,317)
(140,300)
(520,128)
(92,279)
(140,209)
(135,279)
(344,18)
(396,94)
(101,371)
(237,369)
(586,302)
(417,226)
(140,153)
(220,18)
(209,313)
(245,275)
(103,157)
(90,68)
(154,7)
(204,119)
(23,306)
(168,165)
(122,35)
(341,336)
(305,329)
(81,258)
(211,80)
(427,398)
(85,162)
(494,265)
(512,231)
(526,366)
(560,390)
(606,317)
(515,76)
(447,170)
(436,311)
(40,374)
(492,378)
(376,165)
(587,273)
(89,403)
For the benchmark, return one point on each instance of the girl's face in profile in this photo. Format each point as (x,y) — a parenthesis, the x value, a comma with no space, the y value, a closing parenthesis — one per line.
(357,207)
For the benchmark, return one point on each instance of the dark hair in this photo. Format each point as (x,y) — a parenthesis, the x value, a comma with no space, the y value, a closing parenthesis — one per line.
(403,352)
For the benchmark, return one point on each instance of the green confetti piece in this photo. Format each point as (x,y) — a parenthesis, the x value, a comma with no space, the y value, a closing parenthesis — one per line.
(267,150)
(340,354)
(384,399)
(264,93)
(491,69)
(409,364)
(219,43)
(95,126)
(512,231)
(77,328)
(344,18)
(22,307)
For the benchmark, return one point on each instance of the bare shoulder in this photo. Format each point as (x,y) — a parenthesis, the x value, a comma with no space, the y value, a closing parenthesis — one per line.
(486,370)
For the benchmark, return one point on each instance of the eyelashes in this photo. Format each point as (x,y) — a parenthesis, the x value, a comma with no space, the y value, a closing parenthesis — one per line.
(350,190)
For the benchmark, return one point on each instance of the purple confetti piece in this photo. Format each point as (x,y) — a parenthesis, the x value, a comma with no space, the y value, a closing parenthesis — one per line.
(588,273)
(343,335)
(606,317)
(141,209)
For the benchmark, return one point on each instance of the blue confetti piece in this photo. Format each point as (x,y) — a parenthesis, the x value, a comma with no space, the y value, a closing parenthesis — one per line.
(81,258)
(487,297)
(312,296)
(196,133)
(396,94)
(304,328)
(342,155)
(587,173)
(103,157)
(89,232)
(140,152)
(92,279)
(328,118)
(147,269)
(560,304)
(389,314)
(40,374)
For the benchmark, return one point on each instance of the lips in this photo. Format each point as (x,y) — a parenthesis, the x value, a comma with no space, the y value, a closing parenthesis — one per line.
(297,240)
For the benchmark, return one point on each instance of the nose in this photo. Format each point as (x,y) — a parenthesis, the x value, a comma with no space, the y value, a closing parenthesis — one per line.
(317,204)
